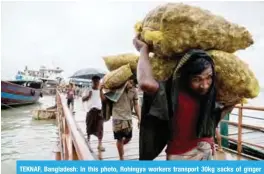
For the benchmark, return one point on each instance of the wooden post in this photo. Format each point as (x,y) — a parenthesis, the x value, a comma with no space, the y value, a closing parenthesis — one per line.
(57,152)
(58,156)
(74,153)
(65,146)
(239,138)
(70,145)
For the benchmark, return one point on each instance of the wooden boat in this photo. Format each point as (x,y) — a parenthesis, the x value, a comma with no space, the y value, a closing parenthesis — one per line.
(44,114)
(20,92)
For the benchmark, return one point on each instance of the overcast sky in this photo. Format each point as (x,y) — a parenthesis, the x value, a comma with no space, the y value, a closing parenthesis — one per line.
(75,35)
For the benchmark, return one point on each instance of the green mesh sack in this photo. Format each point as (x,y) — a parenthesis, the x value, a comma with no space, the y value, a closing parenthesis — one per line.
(161,68)
(118,77)
(114,62)
(175,28)
(234,80)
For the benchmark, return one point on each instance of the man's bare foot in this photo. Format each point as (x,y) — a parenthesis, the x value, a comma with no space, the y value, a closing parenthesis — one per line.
(220,149)
(100,155)
(101,148)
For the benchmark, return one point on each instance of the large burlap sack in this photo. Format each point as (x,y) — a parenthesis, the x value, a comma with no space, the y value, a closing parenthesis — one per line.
(114,62)
(234,80)
(118,77)
(162,69)
(175,28)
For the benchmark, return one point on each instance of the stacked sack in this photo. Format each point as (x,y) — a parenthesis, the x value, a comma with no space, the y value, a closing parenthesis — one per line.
(175,28)
(121,68)
(118,77)
(234,80)
(114,62)
(161,68)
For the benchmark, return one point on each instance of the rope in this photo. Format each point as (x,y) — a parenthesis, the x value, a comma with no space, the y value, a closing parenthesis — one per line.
(8,106)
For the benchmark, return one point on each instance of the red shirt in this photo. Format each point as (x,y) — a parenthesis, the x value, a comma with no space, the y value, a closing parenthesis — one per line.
(184,137)
(70,94)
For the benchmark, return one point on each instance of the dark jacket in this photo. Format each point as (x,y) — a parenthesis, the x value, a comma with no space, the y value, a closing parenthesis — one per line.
(158,112)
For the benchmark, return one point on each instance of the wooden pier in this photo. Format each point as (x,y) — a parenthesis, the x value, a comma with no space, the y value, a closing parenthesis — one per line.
(74,144)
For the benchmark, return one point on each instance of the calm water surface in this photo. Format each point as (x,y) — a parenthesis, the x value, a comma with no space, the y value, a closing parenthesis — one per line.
(25,138)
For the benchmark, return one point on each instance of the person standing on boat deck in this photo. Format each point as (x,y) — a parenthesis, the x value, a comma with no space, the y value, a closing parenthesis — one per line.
(94,119)
(122,115)
(70,97)
(180,112)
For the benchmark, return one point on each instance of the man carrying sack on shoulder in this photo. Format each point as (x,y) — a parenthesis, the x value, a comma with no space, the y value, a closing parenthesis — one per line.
(123,101)
(180,113)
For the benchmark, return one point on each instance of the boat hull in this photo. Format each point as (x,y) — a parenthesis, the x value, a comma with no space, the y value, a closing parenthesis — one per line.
(14,94)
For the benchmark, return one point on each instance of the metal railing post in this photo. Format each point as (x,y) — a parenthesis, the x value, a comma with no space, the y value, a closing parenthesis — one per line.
(239,138)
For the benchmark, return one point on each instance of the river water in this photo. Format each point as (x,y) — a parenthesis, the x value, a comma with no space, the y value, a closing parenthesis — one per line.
(25,138)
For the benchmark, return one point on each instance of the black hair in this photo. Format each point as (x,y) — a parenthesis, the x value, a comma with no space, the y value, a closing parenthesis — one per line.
(134,78)
(95,78)
(195,66)
(198,61)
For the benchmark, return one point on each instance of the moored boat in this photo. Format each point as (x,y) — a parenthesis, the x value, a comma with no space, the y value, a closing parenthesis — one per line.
(20,92)
(44,114)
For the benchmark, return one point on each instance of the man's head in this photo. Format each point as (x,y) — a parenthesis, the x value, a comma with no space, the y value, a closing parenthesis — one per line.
(198,75)
(96,81)
(130,83)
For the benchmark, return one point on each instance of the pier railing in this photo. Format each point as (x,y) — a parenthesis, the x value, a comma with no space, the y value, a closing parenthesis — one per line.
(240,125)
(72,144)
